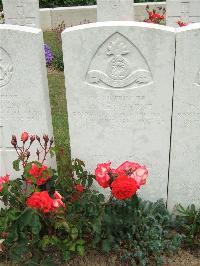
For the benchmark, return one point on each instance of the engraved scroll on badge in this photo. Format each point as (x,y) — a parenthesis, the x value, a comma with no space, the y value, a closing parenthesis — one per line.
(118,64)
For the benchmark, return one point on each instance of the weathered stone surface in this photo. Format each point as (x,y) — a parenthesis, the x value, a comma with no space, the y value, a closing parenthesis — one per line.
(72,16)
(119,80)
(115,10)
(187,11)
(46,19)
(184,182)
(22,12)
(24,95)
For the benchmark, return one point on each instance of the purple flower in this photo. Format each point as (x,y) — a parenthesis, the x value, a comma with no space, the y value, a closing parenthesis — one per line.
(48,54)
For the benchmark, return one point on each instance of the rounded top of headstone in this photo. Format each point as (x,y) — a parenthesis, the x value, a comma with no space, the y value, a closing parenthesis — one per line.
(119,24)
(19,28)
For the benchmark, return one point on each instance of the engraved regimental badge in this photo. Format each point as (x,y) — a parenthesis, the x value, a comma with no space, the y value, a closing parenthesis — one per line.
(118,64)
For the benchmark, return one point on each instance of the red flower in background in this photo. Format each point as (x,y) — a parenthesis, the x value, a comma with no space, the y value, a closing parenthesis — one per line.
(24,136)
(123,187)
(181,23)
(79,188)
(154,16)
(102,174)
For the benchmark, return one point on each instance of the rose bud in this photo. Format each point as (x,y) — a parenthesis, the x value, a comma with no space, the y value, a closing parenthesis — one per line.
(32,138)
(24,136)
(46,138)
(28,154)
(14,142)
(51,141)
(38,138)
(37,153)
(14,137)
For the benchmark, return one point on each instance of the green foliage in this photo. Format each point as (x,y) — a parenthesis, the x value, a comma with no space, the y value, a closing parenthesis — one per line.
(58,3)
(188,222)
(143,236)
(140,232)
(58,60)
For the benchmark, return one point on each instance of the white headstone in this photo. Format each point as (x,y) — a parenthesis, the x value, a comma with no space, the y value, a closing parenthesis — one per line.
(22,12)
(119,80)
(184,181)
(187,11)
(115,10)
(24,94)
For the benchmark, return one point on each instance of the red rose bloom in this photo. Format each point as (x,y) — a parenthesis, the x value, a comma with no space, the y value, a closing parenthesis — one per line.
(140,175)
(40,201)
(102,176)
(127,167)
(124,187)
(3,180)
(38,174)
(24,136)
(181,23)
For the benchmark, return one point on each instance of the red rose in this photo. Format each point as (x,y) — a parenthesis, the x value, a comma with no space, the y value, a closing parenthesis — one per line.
(34,171)
(40,201)
(140,176)
(3,180)
(79,188)
(123,187)
(39,174)
(102,174)
(127,167)
(57,201)
(74,197)
(181,23)
(24,136)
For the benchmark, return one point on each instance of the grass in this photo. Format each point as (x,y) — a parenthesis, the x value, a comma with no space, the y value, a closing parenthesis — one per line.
(59,111)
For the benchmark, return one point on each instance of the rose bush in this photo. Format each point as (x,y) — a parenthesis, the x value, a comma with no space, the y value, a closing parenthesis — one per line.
(46,220)
(154,16)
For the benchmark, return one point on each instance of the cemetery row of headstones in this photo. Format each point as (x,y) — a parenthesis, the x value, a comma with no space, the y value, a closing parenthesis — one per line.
(26,12)
(122,92)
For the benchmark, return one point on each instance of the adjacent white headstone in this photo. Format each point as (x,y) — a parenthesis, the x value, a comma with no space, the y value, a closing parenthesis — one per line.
(119,81)
(184,181)
(24,98)
(22,12)
(115,10)
(188,11)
